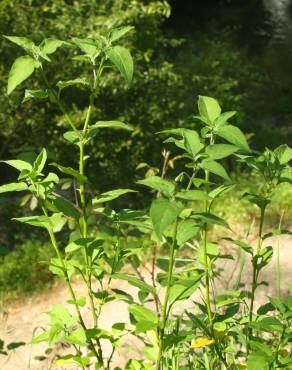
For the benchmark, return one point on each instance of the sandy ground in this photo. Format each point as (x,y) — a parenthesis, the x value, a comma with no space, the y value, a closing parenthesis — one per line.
(23,317)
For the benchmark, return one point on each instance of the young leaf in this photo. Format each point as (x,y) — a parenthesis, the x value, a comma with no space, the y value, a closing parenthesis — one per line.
(143,314)
(187,230)
(39,221)
(235,136)
(111,195)
(21,69)
(88,46)
(122,59)
(209,108)
(76,82)
(215,167)
(40,161)
(223,118)
(219,151)
(14,186)
(159,184)
(35,94)
(163,213)
(211,219)
(192,142)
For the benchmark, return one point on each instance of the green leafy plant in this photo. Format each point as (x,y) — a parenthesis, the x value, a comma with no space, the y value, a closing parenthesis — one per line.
(215,331)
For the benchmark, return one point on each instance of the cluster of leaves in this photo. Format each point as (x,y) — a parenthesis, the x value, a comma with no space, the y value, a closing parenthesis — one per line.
(217,332)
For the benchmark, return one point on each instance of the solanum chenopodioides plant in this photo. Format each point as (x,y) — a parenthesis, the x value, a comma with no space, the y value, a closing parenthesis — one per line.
(98,55)
(177,224)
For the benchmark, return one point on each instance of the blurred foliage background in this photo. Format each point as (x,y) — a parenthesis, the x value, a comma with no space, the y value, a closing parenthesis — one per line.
(180,48)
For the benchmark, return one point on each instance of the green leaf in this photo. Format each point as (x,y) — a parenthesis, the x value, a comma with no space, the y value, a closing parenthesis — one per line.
(43,337)
(219,151)
(132,280)
(40,161)
(187,230)
(223,118)
(70,171)
(110,124)
(192,142)
(66,207)
(246,247)
(257,362)
(77,336)
(35,94)
(118,33)
(211,219)
(111,195)
(23,42)
(88,46)
(21,69)
(159,184)
(38,221)
(76,82)
(215,167)
(146,319)
(192,195)
(209,108)
(235,136)
(163,213)
(19,164)
(284,153)
(122,59)
(14,186)
(50,45)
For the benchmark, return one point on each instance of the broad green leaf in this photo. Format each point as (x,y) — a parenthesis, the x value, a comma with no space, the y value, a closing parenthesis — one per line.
(43,337)
(257,362)
(143,314)
(14,186)
(21,69)
(40,161)
(159,184)
(72,137)
(235,136)
(192,142)
(132,280)
(70,171)
(77,336)
(122,59)
(111,195)
(50,45)
(187,230)
(88,46)
(35,94)
(23,42)
(219,151)
(76,82)
(209,108)
(66,207)
(215,167)
(118,33)
(163,213)
(192,195)
(212,252)
(19,164)
(284,153)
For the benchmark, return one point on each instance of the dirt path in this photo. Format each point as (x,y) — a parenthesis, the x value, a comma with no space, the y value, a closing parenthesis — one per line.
(26,315)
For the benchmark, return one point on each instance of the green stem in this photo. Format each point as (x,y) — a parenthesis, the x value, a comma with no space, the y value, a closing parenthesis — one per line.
(255,273)
(68,282)
(166,298)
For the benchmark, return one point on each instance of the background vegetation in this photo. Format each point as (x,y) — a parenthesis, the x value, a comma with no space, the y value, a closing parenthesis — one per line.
(175,60)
